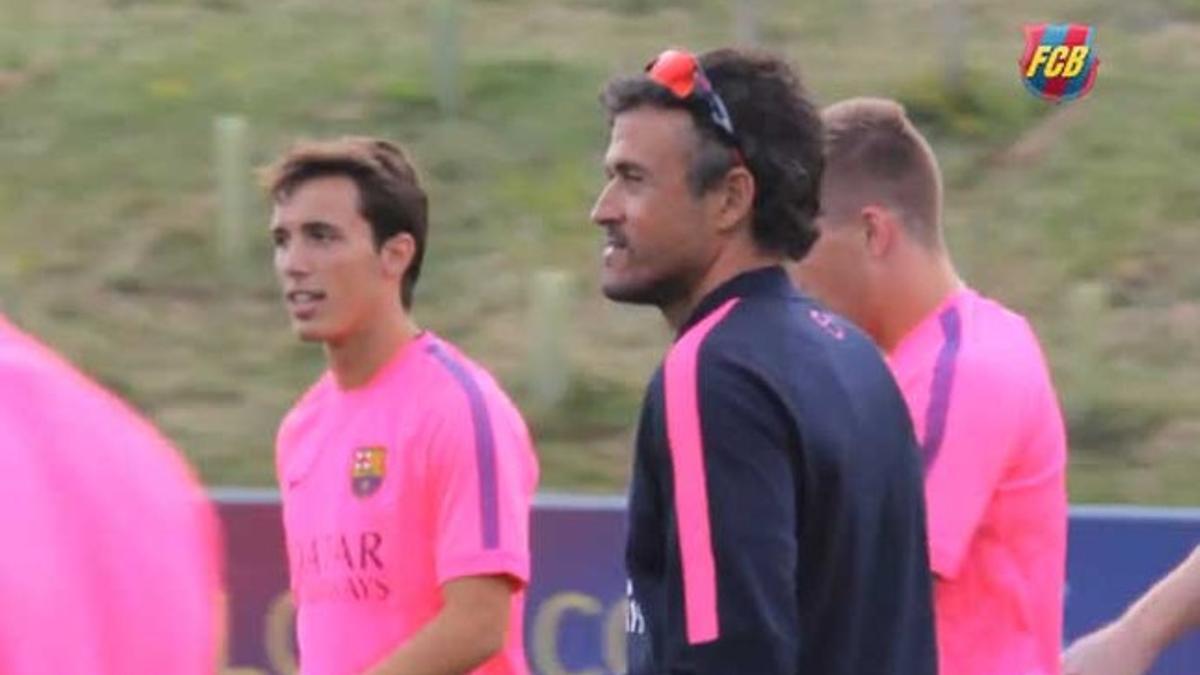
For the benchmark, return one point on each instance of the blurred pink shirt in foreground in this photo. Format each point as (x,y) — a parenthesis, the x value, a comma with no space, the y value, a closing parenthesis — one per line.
(111,549)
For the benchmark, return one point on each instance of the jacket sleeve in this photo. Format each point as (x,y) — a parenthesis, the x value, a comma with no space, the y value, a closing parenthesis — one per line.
(731,588)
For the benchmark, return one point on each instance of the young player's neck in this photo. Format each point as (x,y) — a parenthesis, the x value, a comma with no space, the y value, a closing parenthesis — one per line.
(357,358)
(929,279)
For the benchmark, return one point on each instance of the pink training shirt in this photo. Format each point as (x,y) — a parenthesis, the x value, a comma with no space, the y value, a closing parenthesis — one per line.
(423,475)
(111,550)
(991,432)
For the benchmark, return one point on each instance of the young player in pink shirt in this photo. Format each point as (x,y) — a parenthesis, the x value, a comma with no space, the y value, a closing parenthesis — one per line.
(976,384)
(407,474)
(111,561)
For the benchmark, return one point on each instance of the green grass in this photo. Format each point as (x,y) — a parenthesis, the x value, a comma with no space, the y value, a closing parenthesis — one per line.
(1084,217)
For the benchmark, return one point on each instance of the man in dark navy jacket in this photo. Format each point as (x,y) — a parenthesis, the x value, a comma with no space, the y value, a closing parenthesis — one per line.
(776,513)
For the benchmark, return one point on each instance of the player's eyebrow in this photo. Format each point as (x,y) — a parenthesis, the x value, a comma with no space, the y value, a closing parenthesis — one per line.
(623,167)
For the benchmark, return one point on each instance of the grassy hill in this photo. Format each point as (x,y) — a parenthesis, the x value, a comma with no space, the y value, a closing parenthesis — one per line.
(1085,216)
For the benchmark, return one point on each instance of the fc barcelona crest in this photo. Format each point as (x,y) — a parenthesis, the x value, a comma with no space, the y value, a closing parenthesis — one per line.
(1059,62)
(367,470)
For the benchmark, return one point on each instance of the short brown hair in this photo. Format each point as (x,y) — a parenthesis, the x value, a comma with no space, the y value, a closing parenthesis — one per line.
(873,151)
(390,197)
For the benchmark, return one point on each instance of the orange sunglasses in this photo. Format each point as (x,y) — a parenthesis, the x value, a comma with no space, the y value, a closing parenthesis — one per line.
(680,72)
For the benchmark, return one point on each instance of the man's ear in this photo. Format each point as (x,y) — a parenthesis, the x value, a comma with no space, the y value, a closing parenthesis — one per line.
(881,227)
(735,198)
(397,254)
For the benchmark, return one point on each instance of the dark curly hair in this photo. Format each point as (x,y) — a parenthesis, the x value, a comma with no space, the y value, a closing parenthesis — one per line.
(777,129)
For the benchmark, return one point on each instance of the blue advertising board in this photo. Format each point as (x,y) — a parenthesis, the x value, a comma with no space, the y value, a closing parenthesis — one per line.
(1114,554)
(575,612)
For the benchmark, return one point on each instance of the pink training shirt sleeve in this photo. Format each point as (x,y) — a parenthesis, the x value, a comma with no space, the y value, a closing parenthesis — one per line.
(482,477)
(962,482)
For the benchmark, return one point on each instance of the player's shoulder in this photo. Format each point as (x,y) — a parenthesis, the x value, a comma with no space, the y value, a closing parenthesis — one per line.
(36,375)
(1001,375)
(772,337)
(54,395)
(738,328)
(465,406)
(995,351)
(454,384)
(996,325)
(716,344)
(30,396)
(782,334)
(24,360)
(1000,344)
(727,363)
(21,368)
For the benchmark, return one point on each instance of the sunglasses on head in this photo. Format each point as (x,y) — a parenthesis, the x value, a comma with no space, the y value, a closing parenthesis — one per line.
(680,73)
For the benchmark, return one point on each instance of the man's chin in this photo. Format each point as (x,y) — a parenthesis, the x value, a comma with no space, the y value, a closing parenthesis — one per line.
(629,294)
